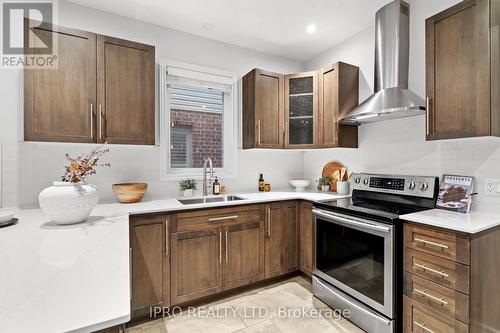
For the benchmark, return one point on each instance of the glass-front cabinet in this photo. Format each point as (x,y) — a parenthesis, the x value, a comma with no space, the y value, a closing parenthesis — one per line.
(301,110)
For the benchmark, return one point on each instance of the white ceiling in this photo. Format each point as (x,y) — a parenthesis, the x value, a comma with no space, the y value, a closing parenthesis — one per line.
(272,26)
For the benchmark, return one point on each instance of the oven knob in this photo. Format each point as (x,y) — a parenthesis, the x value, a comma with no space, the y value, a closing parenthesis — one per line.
(424,187)
(357,180)
(411,186)
(365,181)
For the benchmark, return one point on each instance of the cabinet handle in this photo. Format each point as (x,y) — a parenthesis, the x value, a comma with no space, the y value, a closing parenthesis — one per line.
(427,113)
(422,326)
(91,121)
(130,271)
(215,219)
(258,132)
(220,247)
(226,247)
(269,222)
(425,268)
(427,295)
(167,236)
(101,122)
(421,240)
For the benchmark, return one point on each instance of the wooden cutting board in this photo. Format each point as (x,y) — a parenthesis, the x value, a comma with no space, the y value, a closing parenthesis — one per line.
(329,169)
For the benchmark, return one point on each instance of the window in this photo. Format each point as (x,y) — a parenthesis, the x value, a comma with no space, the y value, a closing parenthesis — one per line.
(198,120)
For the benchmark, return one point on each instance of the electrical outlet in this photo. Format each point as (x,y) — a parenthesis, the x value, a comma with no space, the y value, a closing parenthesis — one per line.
(492,187)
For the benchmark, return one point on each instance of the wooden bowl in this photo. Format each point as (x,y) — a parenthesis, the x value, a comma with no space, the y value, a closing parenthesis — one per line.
(129,192)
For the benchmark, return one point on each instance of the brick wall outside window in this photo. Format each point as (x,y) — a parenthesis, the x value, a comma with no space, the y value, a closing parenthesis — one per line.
(206,132)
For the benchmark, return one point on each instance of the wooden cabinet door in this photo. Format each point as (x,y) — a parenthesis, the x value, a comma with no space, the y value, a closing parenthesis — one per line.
(290,247)
(150,263)
(125,91)
(59,104)
(328,107)
(338,95)
(273,241)
(457,71)
(306,238)
(269,109)
(301,110)
(243,260)
(196,264)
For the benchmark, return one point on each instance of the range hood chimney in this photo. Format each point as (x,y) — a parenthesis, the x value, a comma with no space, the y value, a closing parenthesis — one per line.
(391,99)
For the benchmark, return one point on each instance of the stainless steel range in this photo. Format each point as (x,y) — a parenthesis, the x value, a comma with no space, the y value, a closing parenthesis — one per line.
(358,246)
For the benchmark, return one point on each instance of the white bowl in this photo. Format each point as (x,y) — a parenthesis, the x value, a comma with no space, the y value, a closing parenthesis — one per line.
(300,184)
(6,216)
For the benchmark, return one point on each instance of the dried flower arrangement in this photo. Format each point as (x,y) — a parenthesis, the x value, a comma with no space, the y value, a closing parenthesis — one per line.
(82,166)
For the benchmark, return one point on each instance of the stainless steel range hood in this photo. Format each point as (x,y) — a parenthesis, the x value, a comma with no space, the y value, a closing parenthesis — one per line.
(391,99)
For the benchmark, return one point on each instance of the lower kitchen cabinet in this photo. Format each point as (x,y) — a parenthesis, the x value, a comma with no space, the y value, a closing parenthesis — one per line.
(306,238)
(273,242)
(290,244)
(243,254)
(281,244)
(150,268)
(450,280)
(196,264)
(187,256)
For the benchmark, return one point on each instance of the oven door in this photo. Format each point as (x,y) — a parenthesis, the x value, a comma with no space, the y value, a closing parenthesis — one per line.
(356,255)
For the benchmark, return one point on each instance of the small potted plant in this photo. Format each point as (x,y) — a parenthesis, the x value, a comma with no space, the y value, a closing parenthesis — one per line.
(325,183)
(187,187)
(71,200)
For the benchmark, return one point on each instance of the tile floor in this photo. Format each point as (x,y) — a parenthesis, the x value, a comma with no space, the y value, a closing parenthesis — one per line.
(287,306)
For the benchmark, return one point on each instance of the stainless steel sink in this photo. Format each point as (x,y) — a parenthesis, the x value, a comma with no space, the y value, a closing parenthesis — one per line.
(195,201)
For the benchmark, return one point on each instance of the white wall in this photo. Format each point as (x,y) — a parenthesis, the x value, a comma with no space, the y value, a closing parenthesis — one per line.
(29,167)
(399,146)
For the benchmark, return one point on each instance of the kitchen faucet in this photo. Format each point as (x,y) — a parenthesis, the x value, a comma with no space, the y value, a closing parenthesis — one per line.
(207,182)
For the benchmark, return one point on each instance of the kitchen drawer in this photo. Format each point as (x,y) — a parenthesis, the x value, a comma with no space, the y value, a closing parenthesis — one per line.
(444,244)
(419,318)
(441,271)
(208,218)
(437,297)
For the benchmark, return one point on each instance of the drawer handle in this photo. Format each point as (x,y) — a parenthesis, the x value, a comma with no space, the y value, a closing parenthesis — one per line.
(425,294)
(214,219)
(425,268)
(443,246)
(422,326)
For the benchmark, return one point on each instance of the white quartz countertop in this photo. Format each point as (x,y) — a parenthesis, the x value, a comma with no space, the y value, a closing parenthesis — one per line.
(470,223)
(76,278)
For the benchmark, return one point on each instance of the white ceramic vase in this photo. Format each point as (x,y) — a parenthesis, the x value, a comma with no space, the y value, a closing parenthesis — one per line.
(325,188)
(68,203)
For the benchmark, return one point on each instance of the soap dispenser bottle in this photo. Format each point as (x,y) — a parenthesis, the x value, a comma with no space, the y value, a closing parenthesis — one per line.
(216,187)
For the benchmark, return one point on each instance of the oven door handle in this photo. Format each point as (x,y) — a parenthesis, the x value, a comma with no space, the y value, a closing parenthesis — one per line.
(347,221)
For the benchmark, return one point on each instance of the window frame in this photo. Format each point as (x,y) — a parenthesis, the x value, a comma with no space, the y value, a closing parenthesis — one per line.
(230,120)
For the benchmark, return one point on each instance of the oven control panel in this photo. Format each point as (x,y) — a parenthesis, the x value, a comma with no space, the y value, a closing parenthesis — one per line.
(406,185)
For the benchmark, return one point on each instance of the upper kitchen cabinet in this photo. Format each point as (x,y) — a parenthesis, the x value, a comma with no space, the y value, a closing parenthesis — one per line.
(301,110)
(103,90)
(263,110)
(59,105)
(125,91)
(338,95)
(463,71)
